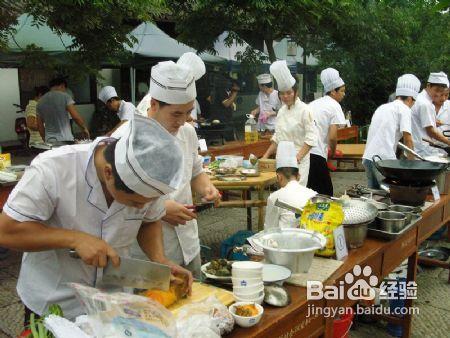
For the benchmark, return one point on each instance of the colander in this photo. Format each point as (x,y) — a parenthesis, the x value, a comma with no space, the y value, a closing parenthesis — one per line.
(357,211)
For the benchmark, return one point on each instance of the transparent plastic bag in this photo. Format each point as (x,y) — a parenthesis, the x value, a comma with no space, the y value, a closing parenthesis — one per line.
(123,315)
(208,319)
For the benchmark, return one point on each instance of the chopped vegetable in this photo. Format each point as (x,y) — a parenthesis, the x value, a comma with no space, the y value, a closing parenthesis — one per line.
(249,310)
(219,267)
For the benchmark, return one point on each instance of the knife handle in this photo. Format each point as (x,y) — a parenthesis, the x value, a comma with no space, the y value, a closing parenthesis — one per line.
(74,254)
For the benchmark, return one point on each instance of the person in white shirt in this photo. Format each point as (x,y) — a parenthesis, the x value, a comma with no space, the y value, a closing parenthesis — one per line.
(424,115)
(124,110)
(390,122)
(268,103)
(329,116)
(295,120)
(95,199)
(442,107)
(180,230)
(290,192)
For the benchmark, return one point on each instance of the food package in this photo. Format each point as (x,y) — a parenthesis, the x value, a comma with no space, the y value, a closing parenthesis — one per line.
(119,314)
(323,218)
(5,160)
(209,318)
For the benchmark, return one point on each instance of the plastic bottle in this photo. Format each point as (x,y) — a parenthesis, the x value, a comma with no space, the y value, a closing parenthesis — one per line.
(250,131)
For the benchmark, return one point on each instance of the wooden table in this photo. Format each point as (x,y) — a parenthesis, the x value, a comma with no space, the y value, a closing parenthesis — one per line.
(259,183)
(241,148)
(348,133)
(382,256)
(350,152)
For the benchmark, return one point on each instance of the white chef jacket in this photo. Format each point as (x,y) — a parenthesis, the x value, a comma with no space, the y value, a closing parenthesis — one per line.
(294,194)
(423,115)
(327,111)
(61,189)
(195,112)
(297,125)
(126,111)
(443,115)
(181,243)
(268,103)
(388,123)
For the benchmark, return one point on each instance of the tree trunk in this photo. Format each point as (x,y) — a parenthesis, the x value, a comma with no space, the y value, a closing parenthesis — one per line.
(270,50)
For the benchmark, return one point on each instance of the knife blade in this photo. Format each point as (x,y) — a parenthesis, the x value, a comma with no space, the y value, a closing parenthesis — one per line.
(135,273)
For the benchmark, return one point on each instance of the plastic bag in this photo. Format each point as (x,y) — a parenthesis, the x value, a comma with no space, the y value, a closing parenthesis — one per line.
(323,218)
(208,319)
(123,315)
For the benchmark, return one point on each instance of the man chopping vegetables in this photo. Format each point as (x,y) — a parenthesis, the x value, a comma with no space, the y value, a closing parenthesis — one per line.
(95,199)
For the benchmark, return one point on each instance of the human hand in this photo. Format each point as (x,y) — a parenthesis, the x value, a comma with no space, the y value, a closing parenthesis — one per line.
(95,251)
(299,157)
(177,213)
(183,275)
(86,134)
(210,193)
(264,117)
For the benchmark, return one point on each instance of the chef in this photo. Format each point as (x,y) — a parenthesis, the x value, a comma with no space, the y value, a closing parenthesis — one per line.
(95,199)
(267,102)
(424,115)
(442,108)
(290,192)
(390,123)
(329,116)
(124,110)
(180,231)
(295,120)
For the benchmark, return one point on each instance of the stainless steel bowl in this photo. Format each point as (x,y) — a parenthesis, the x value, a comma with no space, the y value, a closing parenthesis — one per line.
(391,221)
(355,234)
(290,247)
(405,209)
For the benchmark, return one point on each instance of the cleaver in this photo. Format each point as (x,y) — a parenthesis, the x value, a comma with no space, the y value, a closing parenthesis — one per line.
(135,273)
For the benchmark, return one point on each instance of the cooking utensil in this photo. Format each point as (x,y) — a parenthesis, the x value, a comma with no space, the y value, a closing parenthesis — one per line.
(391,221)
(378,205)
(409,150)
(357,211)
(276,295)
(409,170)
(375,232)
(355,234)
(438,146)
(409,194)
(406,209)
(134,273)
(275,273)
(291,247)
(436,253)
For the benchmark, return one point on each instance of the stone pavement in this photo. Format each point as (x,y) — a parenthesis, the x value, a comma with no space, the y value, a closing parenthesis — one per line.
(214,226)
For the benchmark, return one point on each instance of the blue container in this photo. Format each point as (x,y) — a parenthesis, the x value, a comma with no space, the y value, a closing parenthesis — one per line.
(396,330)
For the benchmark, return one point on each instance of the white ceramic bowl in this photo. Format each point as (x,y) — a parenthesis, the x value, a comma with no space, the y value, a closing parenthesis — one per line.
(249,273)
(247,265)
(249,296)
(245,282)
(248,289)
(246,321)
(257,300)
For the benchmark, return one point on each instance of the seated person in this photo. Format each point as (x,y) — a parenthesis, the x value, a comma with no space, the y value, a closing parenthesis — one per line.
(290,192)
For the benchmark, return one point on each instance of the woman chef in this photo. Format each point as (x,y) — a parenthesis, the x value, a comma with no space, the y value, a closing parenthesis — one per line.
(96,199)
(295,121)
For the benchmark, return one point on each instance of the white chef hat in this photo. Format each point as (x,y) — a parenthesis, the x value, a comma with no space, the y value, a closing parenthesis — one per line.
(408,85)
(172,83)
(282,75)
(330,79)
(438,78)
(148,158)
(107,93)
(194,62)
(264,79)
(143,106)
(286,155)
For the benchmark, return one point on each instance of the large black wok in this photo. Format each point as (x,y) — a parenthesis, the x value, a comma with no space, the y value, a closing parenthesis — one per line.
(409,170)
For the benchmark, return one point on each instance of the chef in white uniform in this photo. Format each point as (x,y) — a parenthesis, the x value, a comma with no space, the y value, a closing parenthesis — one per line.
(424,115)
(268,104)
(290,192)
(124,110)
(442,105)
(180,231)
(390,123)
(295,120)
(329,116)
(93,198)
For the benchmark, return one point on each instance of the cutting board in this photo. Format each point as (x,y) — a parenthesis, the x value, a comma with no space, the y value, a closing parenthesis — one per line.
(201,292)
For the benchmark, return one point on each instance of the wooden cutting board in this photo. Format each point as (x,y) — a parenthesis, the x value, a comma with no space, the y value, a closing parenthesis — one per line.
(201,292)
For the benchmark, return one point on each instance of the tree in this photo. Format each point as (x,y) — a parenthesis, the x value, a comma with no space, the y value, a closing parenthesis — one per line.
(99,28)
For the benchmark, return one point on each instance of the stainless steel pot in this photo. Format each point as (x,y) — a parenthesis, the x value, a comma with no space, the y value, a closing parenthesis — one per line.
(291,247)
(405,209)
(391,221)
(355,234)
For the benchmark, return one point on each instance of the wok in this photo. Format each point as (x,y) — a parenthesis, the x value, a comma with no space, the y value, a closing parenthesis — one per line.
(409,170)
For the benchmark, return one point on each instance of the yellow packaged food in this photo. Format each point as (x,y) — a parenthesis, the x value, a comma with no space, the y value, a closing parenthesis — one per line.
(5,160)
(323,218)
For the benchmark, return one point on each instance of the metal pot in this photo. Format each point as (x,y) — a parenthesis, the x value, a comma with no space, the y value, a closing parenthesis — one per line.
(407,210)
(291,247)
(391,221)
(355,234)
(413,195)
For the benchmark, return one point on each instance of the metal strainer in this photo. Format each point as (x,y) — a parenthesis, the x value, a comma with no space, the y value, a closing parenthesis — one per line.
(356,211)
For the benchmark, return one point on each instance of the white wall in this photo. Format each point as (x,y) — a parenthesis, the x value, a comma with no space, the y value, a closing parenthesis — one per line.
(9,94)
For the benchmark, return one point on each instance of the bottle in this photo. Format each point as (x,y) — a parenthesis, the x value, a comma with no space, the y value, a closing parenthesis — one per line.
(349,118)
(250,131)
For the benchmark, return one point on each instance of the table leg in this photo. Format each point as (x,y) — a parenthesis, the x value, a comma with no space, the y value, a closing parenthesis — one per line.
(246,194)
(410,277)
(260,209)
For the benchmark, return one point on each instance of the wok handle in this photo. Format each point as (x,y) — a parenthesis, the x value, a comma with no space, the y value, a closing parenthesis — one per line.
(446,133)
(409,150)
(375,162)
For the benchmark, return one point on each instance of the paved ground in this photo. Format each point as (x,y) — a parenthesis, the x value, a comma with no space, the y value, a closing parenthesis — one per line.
(216,225)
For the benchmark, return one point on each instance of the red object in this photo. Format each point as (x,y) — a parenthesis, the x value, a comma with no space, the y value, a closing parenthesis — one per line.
(25,334)
(341,327)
